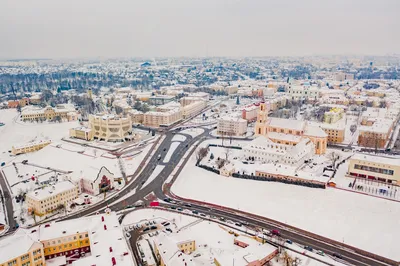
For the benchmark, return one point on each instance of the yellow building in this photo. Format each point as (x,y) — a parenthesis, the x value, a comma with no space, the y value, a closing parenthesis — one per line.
(137,117)
(81,133)
(30,147)
(20,249)
(289,132)
(373,167)
(170,252)
(334,115)
(111,128)
(63,112)
(51,198)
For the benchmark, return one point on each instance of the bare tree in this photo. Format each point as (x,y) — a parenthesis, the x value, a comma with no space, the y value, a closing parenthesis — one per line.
(220,163)
(333,157)
(353,128)
(289,260)
(227,152)
(201,153)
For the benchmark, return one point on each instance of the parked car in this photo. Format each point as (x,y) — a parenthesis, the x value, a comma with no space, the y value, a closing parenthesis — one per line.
(289,241)
(320,252)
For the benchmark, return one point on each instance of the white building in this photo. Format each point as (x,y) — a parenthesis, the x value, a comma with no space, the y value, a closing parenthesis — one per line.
(303,92)
(267,151)
(231,126)
(94,181)
(250,113)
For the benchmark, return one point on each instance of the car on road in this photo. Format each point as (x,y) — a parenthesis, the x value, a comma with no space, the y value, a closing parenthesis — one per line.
(238,224)
(222,219)
(188,205)
(164,149)
(173,207)
(180,209)
(337,255)
(289,241)
(276,232)
(195,212)
(202,214)
(167,200)
(320,252)
(308,248)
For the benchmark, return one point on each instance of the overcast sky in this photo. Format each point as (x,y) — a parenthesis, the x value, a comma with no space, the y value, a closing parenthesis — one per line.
(117,28)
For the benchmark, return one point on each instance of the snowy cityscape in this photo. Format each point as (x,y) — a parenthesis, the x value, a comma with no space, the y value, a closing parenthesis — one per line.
(287,158)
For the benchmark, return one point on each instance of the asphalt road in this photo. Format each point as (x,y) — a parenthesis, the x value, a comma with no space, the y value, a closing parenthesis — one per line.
(8,201)
(155,187)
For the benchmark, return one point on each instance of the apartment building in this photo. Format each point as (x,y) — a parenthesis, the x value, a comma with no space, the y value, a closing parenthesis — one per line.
(344,76)
(334,115)
(20,249)
(192,106)
(249,113)
(374,167)
(29,147)
(137,117)
(375,134)
(231,126)
(50,198)
(111,128)
(162,119)
(336,132)
(303,92)
(83,133)
(289,132)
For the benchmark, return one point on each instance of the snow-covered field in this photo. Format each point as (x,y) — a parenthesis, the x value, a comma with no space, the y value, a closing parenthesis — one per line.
(153,175)
(178,137)
(194,132)
(171,151)
(340,215)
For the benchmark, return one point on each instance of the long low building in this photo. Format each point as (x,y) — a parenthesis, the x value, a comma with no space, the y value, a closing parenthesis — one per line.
(373,167)
(62,112)
(29,147)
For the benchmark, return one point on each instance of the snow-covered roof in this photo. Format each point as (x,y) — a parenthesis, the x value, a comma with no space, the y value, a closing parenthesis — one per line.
(15,245)
(31,144)
(287,123)
(50,191)
(376,159)
(315,131)
(284,137)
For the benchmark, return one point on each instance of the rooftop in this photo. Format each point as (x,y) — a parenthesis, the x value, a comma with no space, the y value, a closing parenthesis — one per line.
(376,159)
(287,123)
(50,191)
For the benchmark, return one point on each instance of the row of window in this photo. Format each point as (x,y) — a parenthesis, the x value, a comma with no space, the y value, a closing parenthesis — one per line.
(66,246)
(66,239)
(373,169)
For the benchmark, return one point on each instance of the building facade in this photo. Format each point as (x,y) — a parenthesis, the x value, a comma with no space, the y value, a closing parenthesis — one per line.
(96,183)
(62,112)
(81,133)
(375,168)
(249,113)
(303,92)
(289,132)
(231,126)
(192,107)
(51,198)
(162,119)
(30,147)
(111,128)
(160,99)
(21,250)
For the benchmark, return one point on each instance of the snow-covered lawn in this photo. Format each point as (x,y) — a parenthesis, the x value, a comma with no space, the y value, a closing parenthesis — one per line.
(171,151)
(178,137)
(153,175)
(340,215)
(194,132)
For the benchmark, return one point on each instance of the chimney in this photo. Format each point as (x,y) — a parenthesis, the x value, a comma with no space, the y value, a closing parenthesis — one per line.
(111,249)
(114,262)
(102,218)
(105,227)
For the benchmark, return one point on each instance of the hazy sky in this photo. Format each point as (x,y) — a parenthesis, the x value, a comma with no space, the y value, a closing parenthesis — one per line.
(114,28)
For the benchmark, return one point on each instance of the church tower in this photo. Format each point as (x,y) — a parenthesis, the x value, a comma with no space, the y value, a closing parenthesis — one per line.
(261,123)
